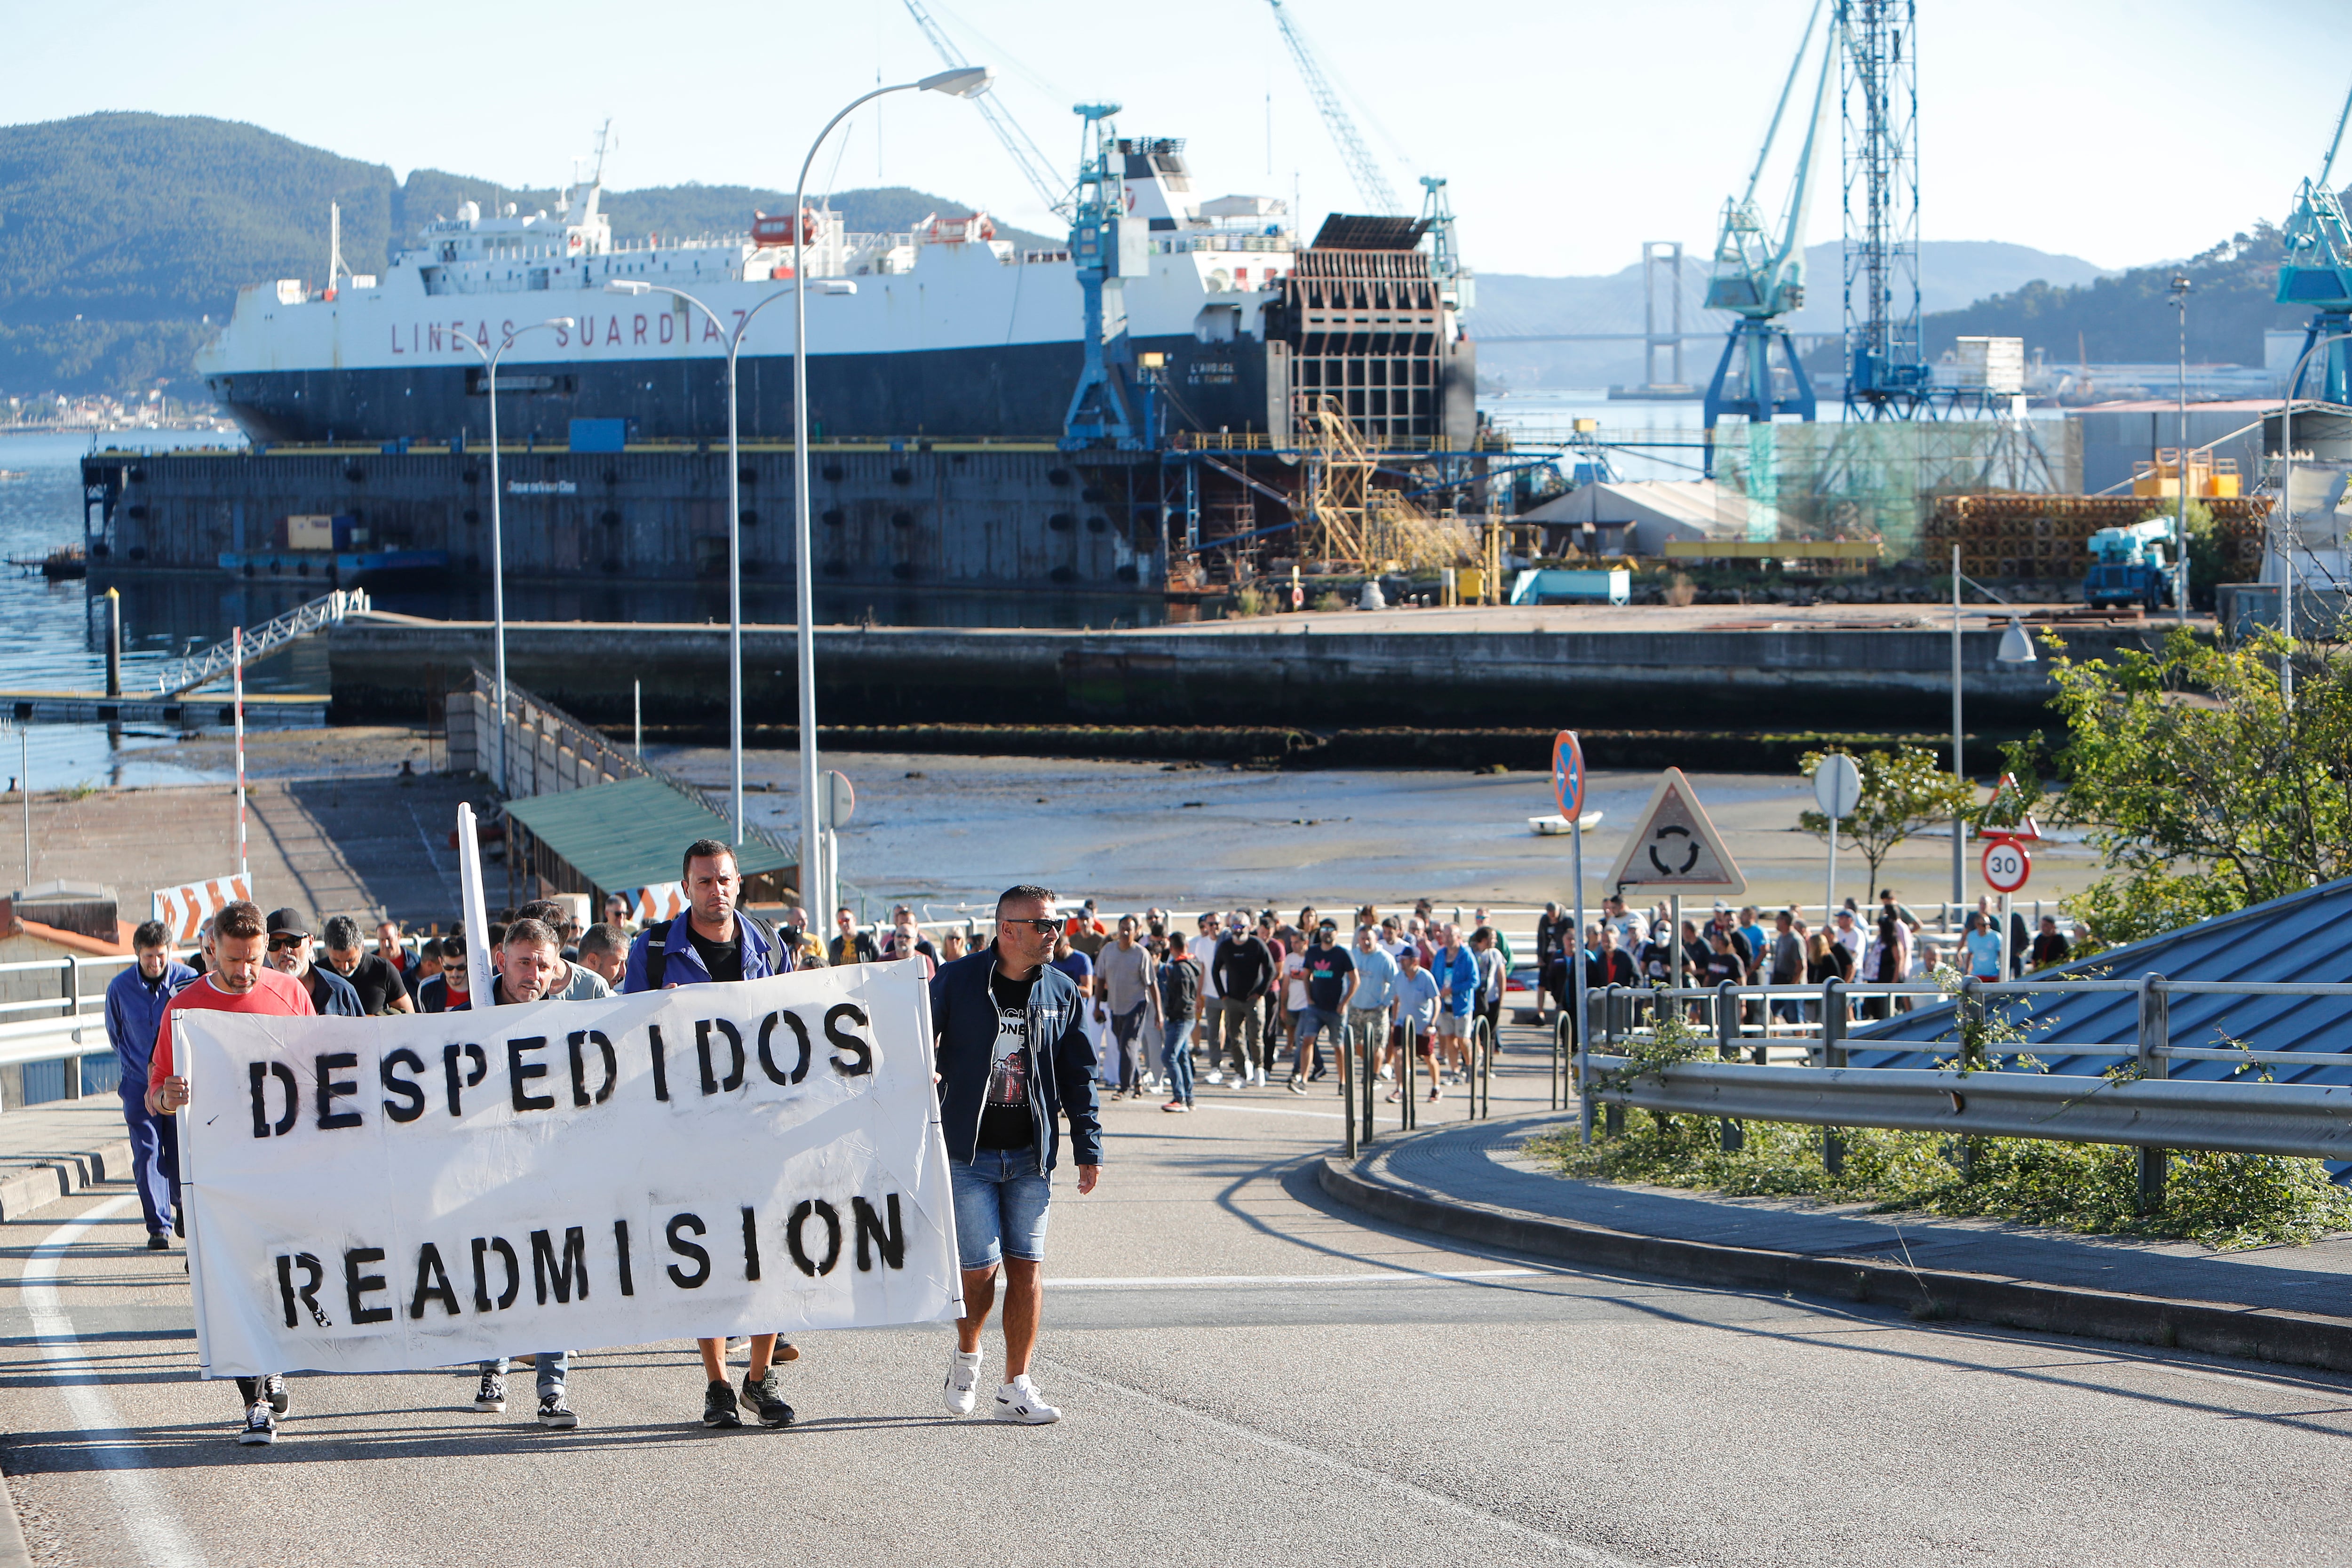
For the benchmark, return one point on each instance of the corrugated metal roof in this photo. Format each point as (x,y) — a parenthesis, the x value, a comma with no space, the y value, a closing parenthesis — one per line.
(2305,936)
(631,834)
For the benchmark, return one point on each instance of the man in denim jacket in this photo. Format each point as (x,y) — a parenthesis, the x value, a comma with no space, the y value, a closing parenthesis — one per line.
(1013,1057)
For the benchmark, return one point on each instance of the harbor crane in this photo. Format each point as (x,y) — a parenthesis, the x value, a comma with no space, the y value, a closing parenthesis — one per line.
(1106,246)
(1370,184)
(1760,273)
(1886,376)
(1034,166)
(2317,271)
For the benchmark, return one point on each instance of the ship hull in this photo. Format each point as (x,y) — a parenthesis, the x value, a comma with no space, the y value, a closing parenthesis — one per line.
(1007,393)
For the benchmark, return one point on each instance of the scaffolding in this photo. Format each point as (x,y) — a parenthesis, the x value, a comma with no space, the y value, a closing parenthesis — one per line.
(1880,479)
(1351,523)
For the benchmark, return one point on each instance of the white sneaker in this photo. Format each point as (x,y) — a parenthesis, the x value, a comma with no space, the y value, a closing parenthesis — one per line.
(1257,1078)
(963,1382)
(261,1422)
(1020,1401)
(1214,1076)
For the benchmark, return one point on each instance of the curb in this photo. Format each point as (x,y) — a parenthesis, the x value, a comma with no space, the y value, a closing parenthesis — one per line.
(14,1552)
(60,1176)
(2256,1333)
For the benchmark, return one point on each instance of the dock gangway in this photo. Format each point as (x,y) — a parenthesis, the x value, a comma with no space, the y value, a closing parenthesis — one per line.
(213,664)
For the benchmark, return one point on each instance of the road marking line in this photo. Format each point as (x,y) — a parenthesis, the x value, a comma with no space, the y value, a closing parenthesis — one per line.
(1271,1111)
(140,1501)
(1574,1549)
(1392,1277)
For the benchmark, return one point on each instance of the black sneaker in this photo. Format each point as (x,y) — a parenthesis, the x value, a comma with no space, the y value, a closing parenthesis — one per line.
(260,1423)
(490,1394)
(158,1242)
(273,1389)
(763,1399)
(719,1406)
(553,1411)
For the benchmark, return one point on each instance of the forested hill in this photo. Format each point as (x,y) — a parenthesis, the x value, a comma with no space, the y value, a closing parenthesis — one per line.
(120,234)
(2128,317)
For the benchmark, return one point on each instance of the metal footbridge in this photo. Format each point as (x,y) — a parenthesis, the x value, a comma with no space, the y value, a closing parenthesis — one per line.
(213,663)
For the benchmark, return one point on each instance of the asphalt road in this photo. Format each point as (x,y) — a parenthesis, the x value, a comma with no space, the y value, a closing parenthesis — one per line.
(1249,1374)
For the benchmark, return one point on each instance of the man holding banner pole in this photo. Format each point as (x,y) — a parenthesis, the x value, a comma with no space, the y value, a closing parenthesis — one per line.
(235,980)
(1013,1056)
(710,943)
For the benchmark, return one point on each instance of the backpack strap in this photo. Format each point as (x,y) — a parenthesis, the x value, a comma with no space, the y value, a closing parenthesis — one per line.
(768,932)
(656,954)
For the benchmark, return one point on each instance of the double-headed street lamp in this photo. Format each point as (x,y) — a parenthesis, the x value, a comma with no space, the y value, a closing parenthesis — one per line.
(490,357)
(734,509)
(816,889)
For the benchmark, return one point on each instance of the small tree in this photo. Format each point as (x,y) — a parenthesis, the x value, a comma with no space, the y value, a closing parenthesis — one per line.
(1903,791)
(2204,790)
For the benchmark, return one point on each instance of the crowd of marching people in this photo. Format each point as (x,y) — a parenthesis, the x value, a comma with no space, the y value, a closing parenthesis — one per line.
(1037,1022)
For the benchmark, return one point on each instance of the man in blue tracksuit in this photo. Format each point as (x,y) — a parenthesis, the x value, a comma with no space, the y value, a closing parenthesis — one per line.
(1013,1057)
(135,1001)
(713,943)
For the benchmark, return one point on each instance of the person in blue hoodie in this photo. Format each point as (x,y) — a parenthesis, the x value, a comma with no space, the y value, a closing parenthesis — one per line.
(135,1001)
(1013,1057)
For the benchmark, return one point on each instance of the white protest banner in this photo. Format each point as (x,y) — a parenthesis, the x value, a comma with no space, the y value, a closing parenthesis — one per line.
(184,910)
(383,1194)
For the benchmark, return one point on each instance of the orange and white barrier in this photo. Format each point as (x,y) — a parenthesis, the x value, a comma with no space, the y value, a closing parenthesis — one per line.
(184,910)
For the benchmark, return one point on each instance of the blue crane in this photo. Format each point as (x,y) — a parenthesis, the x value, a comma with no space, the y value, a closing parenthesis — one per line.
(1370,184)
(1034,166)
(1106,247)
(1886,376)
(2317,271)
(1760,273)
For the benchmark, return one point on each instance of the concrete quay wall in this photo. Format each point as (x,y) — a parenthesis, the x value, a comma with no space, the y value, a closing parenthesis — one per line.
(1808,678)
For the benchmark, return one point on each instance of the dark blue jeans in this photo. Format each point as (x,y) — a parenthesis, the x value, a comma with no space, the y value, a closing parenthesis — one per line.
(1176,1059)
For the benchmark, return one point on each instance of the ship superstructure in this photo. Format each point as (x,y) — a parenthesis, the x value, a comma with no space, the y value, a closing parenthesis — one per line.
(945,332)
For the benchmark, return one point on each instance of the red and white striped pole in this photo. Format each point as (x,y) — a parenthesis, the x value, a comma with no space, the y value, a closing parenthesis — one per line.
(237,678)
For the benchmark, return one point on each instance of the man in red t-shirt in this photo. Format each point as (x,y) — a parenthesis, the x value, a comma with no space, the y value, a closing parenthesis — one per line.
(235,980)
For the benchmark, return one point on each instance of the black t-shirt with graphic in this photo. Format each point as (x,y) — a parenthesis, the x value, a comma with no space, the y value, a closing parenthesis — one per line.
(1328,969)
(1007,1118)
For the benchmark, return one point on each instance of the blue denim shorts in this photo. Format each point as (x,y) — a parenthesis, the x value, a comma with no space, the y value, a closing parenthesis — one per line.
(1000,1207)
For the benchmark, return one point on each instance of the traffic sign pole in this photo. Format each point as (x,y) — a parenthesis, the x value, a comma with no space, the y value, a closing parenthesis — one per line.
(1582,1024)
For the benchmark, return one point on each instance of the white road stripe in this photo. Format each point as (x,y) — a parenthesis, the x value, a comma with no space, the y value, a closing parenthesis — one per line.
(1575,1549)
(140,1501)
(1388,1277)
(1269,1109)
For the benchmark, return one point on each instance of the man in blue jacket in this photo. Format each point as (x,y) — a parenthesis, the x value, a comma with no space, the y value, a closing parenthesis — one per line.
(135,1000)
(713,943)
(1013,1056)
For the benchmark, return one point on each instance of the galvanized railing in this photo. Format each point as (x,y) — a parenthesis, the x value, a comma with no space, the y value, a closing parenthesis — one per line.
(63,1026)
(1798,1071)
(213,663)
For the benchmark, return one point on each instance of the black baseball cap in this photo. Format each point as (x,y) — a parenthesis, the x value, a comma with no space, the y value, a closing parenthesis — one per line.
(285,922)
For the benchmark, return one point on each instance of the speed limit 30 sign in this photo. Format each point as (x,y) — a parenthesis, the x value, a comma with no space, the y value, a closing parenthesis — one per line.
(2006,866)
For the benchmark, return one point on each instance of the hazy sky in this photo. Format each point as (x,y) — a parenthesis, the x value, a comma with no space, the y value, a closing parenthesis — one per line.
(2120,131)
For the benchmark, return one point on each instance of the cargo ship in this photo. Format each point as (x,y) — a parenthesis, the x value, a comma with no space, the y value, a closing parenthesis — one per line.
(944,332)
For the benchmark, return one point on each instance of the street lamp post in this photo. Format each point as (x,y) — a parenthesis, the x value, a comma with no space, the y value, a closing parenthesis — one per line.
(817,885)
(734,513)
(2016,647)
(2286,511)
(490,357)
(2180,286)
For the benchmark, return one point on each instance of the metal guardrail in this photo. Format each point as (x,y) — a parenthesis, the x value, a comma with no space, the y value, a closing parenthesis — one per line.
(213,663)
(63,1027)
(1814,1085)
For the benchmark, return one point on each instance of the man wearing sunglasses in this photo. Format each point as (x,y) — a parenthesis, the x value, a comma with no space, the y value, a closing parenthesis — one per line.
(289,955)
(1013,1056)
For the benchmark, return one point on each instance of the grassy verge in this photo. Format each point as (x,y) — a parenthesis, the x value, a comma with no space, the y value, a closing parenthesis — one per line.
(2221,1201)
